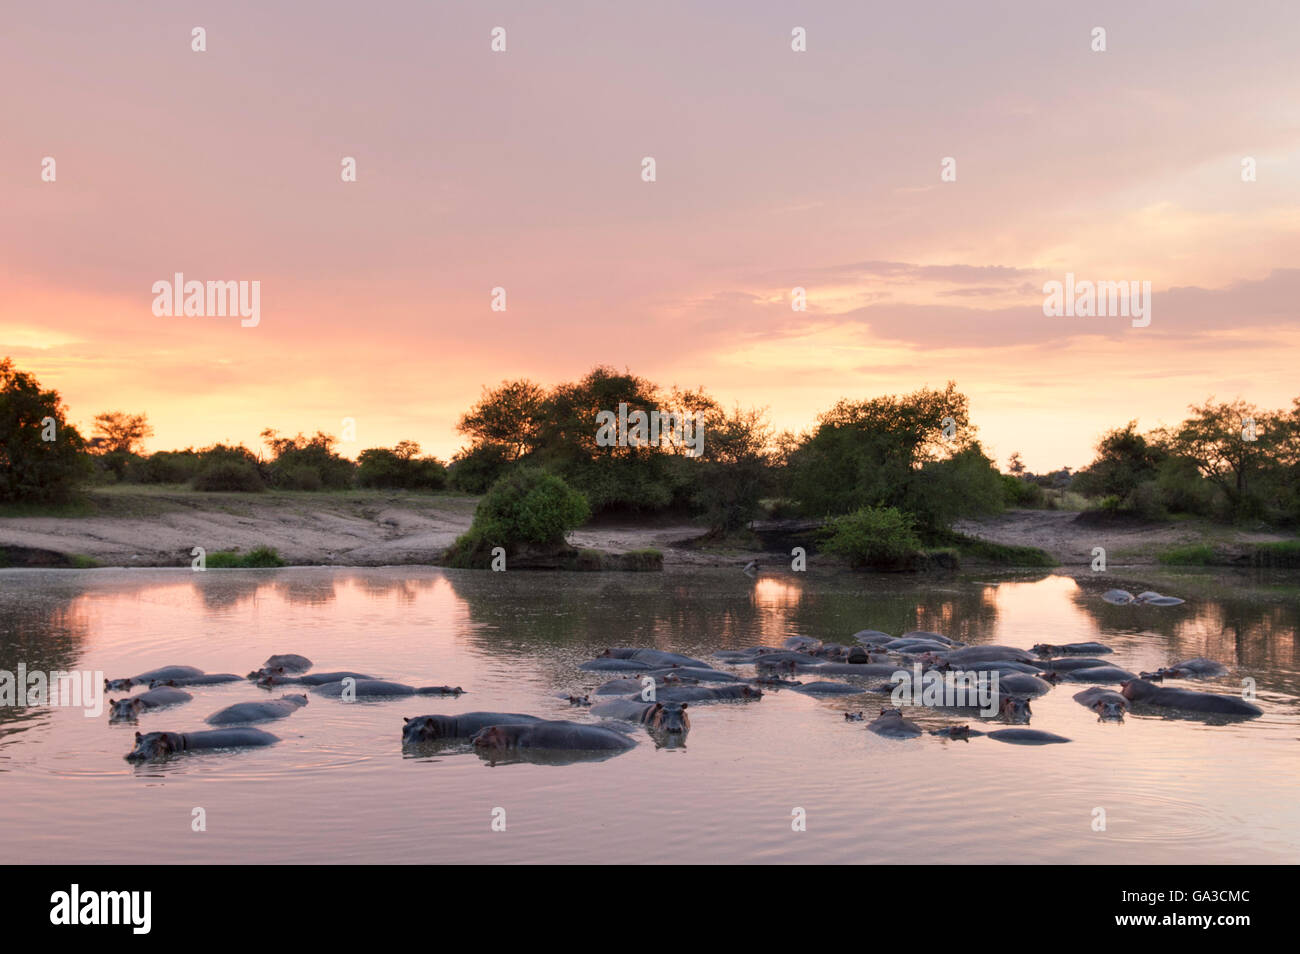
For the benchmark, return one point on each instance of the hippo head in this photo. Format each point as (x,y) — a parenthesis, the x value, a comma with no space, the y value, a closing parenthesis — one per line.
(492,737)
(1051,676)
(580,700)
(266,672)
(155,745)
(119,685)
(959,732)
(604,653)
(1157,676)
(854,716)
(1015,708)
(1136,689)
(1109,709)
(670,717)
(124,710)
(422,729)
(671,679)
(891,713)
(751,692)
(1046,650)
(297,699)
(157,683)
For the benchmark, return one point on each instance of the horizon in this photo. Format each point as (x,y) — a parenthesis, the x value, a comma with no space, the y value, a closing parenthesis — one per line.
(775,170)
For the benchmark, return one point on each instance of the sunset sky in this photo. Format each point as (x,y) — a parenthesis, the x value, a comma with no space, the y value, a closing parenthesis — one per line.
(775,169)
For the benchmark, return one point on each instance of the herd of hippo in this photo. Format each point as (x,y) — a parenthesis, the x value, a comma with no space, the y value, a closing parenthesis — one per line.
(654,688)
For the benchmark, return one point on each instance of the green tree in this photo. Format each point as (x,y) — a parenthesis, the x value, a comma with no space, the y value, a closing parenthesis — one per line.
(41,454)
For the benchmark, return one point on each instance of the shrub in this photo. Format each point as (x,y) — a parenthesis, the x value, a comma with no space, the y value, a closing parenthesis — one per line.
(164,467)
(32,468)
(473,471)
(873,536)
(1022,493)
(256,558)
(400,469)
(526,507)
(222,467)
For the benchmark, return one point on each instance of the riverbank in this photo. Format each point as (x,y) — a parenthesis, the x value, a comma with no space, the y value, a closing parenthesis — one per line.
(159,526)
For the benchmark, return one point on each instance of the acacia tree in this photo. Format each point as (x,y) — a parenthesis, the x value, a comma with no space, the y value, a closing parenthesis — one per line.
(1231,443)
(41,455)
(120,432)
(509,416)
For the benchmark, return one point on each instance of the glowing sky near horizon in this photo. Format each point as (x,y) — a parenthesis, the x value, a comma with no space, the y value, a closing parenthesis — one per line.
(775,169)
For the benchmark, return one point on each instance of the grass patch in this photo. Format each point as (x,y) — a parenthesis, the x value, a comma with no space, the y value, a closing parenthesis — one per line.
(1002,554)
(1195,554)
(1284,554)
(256,558)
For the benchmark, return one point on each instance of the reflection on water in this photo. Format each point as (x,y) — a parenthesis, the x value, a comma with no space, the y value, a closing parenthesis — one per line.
(338,786)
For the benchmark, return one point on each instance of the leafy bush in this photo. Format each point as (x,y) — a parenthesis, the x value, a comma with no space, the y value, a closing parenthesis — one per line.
(256,558)
(164,467)
(473,471)
(400,469)
(1024,494)
(882,537)
(528,506)
(293,455)
(225,468)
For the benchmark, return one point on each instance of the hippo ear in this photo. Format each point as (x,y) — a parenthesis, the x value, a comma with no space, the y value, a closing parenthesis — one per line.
(683,705)
(112,702)
(137,736)
(405,719)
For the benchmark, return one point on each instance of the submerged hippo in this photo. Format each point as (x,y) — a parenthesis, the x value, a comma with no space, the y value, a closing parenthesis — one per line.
(776,681)
(579,701)
(1071,649)
(203,679)
(556,735)
(655,657)
(1198,668)
(709,693)
(858,716)
(1118,597)
(1099,674)
(691,674)
(1139,690)
(744,655)
(1023,684)
(163,674)
(926,634)
(982,654)
(803,643)
(614,664)
(311,679)
(1069,665)
(621,687)
(434,728)
(1014,709)
(873,670)
(244,712)
(381,689)
(662,716)
(157,745)
(1107,703)
(871,637)
(1152,598)
(1026,737)
(127,710)
(957,732)
(283,664)
(891,724)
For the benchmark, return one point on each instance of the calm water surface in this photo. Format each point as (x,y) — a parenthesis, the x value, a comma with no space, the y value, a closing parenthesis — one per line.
(338,787)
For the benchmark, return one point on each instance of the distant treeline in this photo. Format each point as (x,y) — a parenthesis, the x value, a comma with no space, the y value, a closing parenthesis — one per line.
(917,455)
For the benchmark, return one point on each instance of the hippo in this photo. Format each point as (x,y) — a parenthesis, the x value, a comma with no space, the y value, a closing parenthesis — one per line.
(163,674)
(1023,684)
(158,745)
(902,645)
(311,679)
(870,670)
(1069,665)
(1198,668)
(1014,709)
(661,716)
(979,654)
(578,701)
(126,710)
(957,732)
(434,728)
(858,716)
(1108,704)
(244,712)
(1027,737)
(614,664)
(926,634)
(1118,597)
(1152,598)
(1071,649)
(204,679)
(380,689)
(621,687)
(567,736)
(691,674)
(828,689)
(743,655)
(870,637)
(1099,674)
(784,656)
(1139,690)
(806,643)
(891,724)
(708,693)
(655,657)
(281,665)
